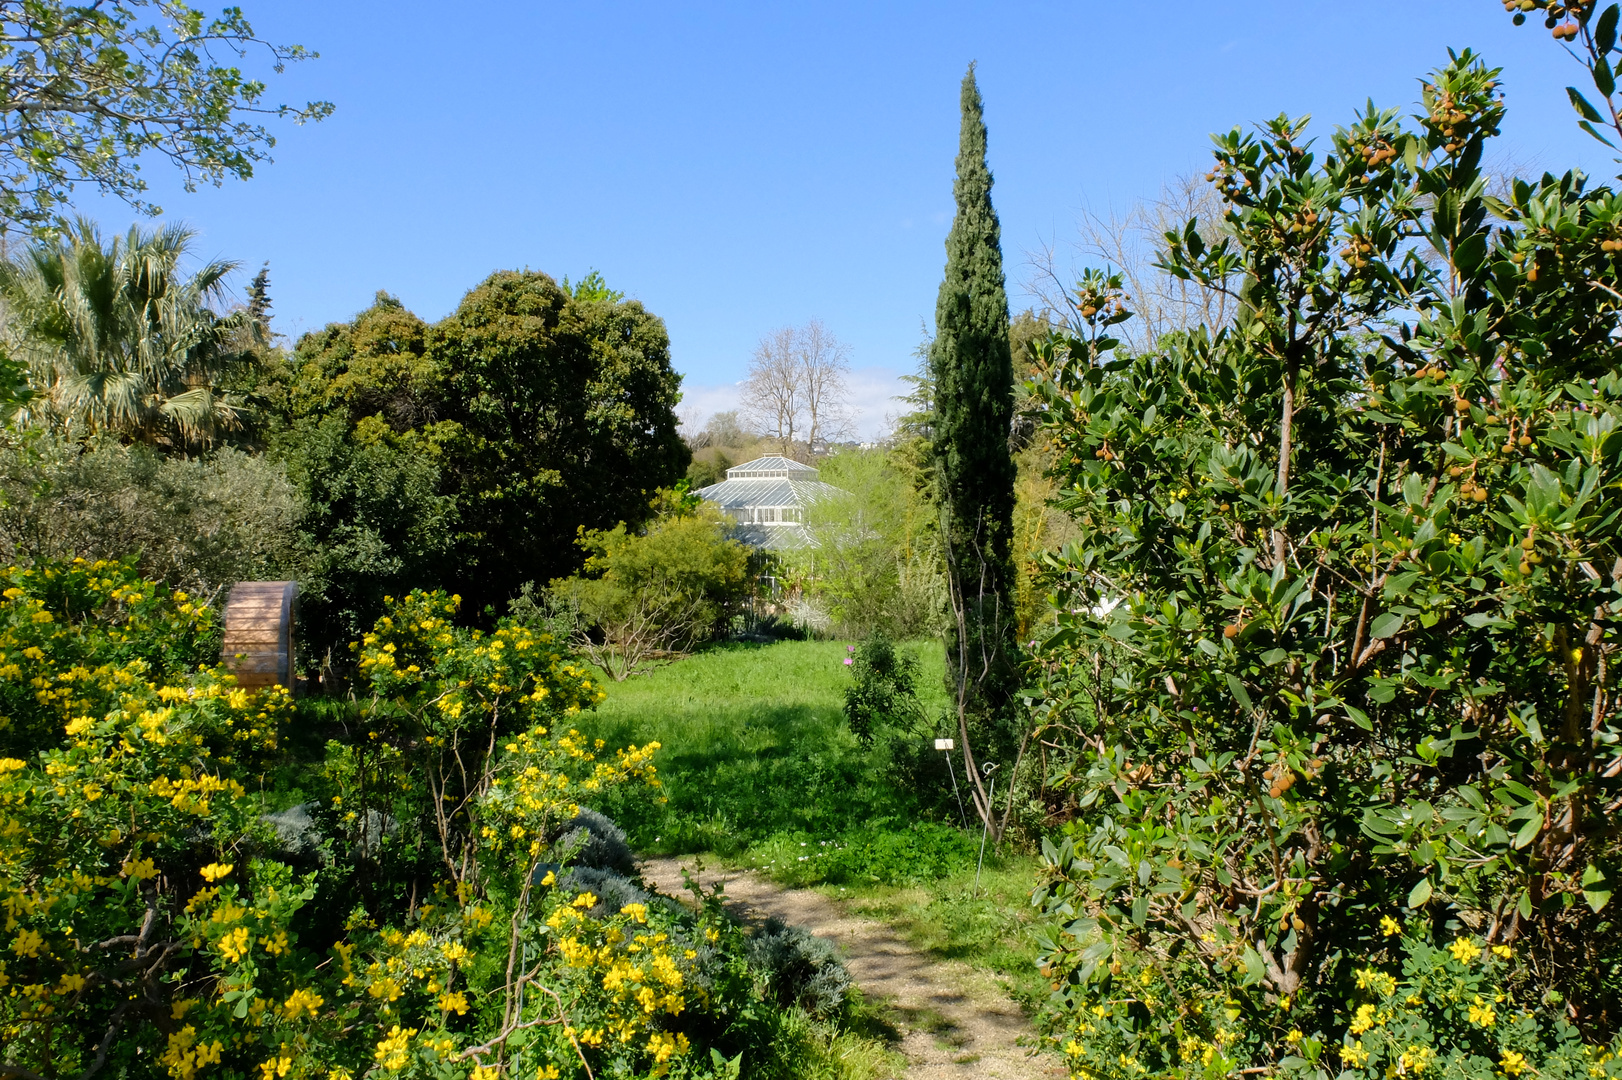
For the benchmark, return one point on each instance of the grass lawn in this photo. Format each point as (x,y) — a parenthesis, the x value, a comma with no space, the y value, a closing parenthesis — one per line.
(760,769)
(755,743)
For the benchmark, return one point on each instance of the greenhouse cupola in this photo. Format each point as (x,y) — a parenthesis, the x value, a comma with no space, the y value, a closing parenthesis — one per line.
(767,497)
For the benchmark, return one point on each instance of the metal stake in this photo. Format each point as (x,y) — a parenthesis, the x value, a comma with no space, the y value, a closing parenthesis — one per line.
(985,827)
(945,747)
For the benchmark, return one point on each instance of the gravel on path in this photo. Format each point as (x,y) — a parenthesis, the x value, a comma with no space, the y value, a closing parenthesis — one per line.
(955,1022)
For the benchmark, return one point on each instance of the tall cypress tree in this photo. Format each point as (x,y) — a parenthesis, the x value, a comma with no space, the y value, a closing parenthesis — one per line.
(974,403)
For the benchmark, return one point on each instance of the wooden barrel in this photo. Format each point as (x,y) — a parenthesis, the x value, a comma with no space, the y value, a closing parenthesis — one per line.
(258,645)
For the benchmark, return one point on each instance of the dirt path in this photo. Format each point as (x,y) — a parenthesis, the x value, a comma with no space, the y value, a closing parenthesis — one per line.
(955,1021)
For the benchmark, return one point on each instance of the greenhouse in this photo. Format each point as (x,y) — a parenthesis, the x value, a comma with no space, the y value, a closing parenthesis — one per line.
(767,497)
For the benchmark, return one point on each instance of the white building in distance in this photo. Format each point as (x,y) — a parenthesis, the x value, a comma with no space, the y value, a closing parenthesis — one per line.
(767,497)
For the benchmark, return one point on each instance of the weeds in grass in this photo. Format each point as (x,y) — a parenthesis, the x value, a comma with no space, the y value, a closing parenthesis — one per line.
(859,1046)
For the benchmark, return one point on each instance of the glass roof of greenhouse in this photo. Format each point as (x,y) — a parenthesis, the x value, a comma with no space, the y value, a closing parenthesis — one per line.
(772,467)
(767,497)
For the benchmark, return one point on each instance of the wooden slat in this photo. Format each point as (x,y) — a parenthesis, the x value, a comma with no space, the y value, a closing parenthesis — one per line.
(258,639)
(264,662)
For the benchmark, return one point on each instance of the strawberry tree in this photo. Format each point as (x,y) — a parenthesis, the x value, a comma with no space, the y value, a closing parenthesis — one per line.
(1337,641)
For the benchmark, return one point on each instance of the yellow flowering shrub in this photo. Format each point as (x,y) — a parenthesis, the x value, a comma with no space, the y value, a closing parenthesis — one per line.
(121,909)
(155,923)
(1408,1008)
(1450,1013)
(73,634)
(466,744)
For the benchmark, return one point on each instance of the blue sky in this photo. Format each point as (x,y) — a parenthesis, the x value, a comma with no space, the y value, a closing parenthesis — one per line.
(744,166)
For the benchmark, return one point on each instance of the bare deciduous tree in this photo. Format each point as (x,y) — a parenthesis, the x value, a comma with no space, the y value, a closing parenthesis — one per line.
(722,429)
(824,363)
(1131,243)
(796,384)
(771,393)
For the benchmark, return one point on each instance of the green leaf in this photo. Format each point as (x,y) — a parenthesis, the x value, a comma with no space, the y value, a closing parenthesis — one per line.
(1584,109)
(1421,894)
(1529,831)
(1240,693)
(1386,625)
(1596,888)
(1604,80)
(1586,126)
(1525,905)
(1520,789)
(1469,253)
(1255,969)
(1605,30)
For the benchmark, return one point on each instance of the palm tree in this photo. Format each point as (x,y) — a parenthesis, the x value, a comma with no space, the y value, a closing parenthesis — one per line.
(116,339)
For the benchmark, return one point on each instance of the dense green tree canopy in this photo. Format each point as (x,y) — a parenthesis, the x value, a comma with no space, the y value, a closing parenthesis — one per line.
(568,416)
(495,436)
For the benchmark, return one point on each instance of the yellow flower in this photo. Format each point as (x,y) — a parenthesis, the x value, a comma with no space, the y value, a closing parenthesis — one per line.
(1464,950)
(28,943)
(184,1055)
(1390,927)
(1415,1058)
(235,945)
(301,1001)
(215,871)
(1363,1020)
(393,1049)
(454,1001)
(1378,981)
(1512,1062)
(1482,1014)
(140,869)
(1503,952)
(275,1067)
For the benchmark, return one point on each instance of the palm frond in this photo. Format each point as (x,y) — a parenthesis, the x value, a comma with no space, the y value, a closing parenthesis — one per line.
(118,337)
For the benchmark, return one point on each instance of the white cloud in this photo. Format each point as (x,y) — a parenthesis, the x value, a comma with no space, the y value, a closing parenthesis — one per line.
(873,391)
(699,403)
